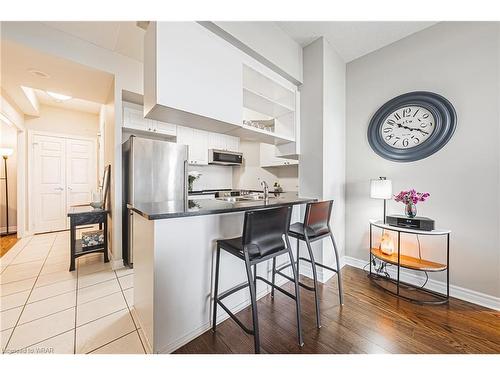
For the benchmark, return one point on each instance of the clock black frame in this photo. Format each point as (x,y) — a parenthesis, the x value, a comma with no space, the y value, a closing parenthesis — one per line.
(445,124)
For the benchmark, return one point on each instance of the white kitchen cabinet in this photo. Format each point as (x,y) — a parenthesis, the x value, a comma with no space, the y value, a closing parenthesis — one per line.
(216,141)
(191,76)
(232,143)
(164,128)
(225,142)
(197,140)
(133,118)
(268,157)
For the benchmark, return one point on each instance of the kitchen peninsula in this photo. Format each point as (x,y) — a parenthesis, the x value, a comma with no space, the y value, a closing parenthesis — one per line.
(174,243)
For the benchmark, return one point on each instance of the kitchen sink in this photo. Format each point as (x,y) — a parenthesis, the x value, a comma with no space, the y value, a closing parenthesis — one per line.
(242,198)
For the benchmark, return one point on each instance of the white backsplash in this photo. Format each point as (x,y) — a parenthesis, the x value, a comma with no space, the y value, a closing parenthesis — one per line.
(247,176)
(212,177)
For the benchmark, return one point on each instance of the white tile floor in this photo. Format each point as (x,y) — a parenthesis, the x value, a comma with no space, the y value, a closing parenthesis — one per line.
(47,309)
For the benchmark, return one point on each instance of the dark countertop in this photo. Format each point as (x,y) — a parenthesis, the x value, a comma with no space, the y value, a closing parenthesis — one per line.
(198,207)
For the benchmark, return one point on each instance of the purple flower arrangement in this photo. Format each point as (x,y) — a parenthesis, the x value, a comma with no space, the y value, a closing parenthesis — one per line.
(411,197)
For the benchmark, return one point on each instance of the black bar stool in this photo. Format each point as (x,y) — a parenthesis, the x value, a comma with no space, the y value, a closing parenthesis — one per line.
(265,237)
(316,226)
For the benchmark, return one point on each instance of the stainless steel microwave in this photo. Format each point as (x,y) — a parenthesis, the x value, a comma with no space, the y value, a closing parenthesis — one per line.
(223,157)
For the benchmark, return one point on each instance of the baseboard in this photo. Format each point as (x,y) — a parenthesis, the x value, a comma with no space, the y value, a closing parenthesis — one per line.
(12,229)
(458,292)
(208,326)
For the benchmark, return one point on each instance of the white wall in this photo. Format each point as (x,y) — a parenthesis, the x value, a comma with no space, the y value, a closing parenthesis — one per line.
(64,121)
(322,139)
(8,138)
(461,62)
(17,183)
(334,150)
(247,176)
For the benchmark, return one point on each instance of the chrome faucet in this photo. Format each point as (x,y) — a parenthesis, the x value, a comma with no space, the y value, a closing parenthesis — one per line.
(265,186)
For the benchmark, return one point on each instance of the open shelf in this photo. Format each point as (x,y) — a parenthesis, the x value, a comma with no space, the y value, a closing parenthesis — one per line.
(251,133)
(410,262)
(81,250)
(263,104)
(264,86)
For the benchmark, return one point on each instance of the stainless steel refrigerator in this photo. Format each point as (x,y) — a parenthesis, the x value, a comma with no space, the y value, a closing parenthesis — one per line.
(153,171)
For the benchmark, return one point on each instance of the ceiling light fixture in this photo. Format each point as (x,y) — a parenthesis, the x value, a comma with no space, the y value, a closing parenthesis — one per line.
(58,97)
(38,73)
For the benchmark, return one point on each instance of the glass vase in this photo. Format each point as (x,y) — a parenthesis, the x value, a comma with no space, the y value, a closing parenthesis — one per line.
(411,210)
(96,201)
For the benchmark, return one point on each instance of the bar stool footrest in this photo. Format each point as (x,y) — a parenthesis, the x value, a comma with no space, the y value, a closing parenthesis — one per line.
(242,326)
(320,265)
(277,287)
(232,290)
(291,279)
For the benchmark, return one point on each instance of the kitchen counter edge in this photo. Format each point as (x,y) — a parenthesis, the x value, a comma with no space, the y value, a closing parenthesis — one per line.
(203,212)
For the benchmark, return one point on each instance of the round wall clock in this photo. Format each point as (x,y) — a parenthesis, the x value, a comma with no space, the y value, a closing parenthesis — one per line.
(412,126)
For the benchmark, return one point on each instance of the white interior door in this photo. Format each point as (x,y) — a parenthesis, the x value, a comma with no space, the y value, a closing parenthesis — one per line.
(49,183)
(64,175)
(81,171)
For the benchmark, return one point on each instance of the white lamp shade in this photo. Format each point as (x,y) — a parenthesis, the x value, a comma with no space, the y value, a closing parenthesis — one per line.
(381,189)
(6,151)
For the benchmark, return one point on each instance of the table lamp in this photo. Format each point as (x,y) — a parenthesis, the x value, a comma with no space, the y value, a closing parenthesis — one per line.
(381,189)
(6,152)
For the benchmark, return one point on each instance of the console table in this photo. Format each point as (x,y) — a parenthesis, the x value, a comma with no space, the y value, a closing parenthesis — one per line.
(409,262)
(86,215)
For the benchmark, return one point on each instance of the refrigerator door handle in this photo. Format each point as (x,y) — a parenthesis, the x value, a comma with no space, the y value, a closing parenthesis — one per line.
(186,183)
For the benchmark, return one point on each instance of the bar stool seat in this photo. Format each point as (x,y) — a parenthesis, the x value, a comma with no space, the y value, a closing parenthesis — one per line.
(265,251)
(265,237)
(297,230)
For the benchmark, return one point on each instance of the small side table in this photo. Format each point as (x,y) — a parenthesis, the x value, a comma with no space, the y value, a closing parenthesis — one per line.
(86,215)
(409,262)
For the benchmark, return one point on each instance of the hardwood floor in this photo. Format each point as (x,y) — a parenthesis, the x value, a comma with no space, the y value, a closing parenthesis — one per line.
(371,321)
(6,243)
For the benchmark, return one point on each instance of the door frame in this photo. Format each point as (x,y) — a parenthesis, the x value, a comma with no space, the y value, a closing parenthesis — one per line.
(29,179)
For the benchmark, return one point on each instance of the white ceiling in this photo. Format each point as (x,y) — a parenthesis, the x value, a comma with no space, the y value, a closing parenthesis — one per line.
(74,104)
(352,39)
(65,77)
(125,38)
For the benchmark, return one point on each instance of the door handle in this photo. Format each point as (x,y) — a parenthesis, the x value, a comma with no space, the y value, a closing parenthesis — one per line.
(69,188)
(59,189)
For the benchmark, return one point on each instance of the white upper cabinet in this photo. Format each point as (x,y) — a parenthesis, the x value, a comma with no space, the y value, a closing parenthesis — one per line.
(164,128)
(197,140)
(133,118)
(195,78)
(268,157)
(192,77)
(223,142)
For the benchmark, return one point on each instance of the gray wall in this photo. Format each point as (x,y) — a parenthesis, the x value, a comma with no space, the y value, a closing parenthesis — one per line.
(461,62)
